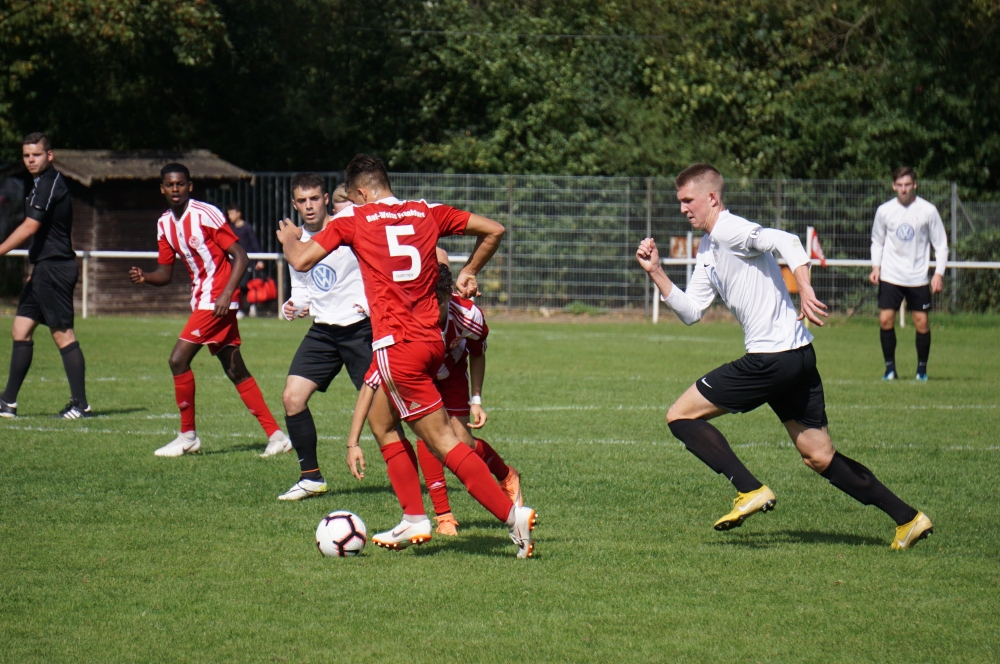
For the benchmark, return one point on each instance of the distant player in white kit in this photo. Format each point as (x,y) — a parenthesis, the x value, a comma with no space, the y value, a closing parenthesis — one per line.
(779,369)
(904,229)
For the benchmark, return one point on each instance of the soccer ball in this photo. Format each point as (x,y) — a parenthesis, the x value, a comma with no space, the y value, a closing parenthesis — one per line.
(341,534)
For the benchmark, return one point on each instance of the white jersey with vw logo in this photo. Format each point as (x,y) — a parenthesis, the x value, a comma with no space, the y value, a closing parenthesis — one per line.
(901,239)
(735,262)
(333,289)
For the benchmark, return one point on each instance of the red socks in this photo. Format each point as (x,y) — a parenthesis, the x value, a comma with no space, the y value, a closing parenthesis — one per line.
(255,403)
(401,465)
(433,478)
(184,393)
(475,475)
(493,460)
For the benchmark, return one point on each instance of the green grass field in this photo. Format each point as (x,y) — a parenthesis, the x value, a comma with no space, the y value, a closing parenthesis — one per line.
(109,554)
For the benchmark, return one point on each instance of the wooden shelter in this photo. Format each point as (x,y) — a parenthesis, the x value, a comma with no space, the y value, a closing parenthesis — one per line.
(116,202)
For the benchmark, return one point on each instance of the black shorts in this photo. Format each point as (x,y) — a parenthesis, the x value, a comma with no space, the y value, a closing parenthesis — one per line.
(788,382)
(327,348)
(890,296)
(47,297)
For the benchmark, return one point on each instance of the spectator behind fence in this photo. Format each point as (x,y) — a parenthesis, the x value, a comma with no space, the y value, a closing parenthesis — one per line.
(247,240)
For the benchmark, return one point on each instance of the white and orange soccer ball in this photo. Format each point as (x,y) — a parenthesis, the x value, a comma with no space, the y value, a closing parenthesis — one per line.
(341,534)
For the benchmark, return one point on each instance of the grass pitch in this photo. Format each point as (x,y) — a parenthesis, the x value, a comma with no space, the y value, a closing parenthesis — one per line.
(110,554)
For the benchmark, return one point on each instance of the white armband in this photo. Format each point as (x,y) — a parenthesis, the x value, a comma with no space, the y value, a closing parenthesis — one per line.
(476,401)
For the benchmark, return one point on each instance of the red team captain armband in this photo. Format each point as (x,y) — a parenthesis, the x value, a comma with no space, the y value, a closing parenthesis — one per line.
(395,242)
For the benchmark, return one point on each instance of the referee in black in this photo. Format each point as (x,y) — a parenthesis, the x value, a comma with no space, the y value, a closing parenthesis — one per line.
(47,297)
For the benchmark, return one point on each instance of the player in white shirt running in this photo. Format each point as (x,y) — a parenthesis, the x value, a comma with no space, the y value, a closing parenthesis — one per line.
(779,369)
(903,231)
(333,293)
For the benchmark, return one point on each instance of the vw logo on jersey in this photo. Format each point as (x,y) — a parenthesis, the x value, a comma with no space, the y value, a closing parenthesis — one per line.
(324,277)
(905,232)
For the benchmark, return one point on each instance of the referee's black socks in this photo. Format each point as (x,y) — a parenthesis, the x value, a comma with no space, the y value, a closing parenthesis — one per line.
(861,484)
(76,369)
(20,362)
(708,444)
(302,430)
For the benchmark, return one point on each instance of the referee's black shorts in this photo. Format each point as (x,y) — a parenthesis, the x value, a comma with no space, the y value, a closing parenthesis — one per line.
(890,296)
(787,381)
(327,348)
(47,297)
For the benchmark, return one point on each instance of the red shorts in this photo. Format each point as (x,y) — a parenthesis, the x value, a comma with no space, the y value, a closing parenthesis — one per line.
(455,393)
(406,371)
(216,333)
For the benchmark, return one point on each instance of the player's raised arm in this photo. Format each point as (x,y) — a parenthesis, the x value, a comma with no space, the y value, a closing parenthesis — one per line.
(302,256)
(689,305)
(489,234)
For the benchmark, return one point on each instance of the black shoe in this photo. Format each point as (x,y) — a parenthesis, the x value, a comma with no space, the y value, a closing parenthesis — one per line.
(72,411)
(8,409)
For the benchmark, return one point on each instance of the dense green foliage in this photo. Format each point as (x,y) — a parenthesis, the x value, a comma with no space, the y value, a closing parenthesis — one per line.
(799,88)
(113,555)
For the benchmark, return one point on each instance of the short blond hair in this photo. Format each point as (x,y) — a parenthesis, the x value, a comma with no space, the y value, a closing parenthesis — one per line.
(701,173)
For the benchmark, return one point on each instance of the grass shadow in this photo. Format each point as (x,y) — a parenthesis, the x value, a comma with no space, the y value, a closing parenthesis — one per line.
(497,546)
(768,540)
(246,447)
(119,411)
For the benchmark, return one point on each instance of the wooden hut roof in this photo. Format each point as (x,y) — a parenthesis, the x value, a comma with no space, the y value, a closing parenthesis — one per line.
(89,166)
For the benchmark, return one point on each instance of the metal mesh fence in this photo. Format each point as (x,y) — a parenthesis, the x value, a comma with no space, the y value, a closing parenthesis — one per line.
(571,241)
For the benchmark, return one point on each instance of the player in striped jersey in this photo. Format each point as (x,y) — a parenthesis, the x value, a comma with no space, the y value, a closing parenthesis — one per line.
(464,330)
(199,234)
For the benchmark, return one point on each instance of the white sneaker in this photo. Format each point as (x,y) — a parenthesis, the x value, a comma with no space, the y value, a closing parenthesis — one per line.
(520,532)
(185,443)
(240,315)
(304,489)
(277,444)
(404,535)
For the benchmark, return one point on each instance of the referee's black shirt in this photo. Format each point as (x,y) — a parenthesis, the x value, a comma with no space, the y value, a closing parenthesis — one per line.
(50,204)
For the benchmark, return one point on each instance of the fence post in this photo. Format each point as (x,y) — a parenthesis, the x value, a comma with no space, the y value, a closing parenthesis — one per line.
(649,233)
(954,250)
(280,279)
(510,242)
(86,282)
(777,204)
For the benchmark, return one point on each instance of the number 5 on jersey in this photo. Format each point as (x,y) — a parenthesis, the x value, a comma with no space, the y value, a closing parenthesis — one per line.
(392,235)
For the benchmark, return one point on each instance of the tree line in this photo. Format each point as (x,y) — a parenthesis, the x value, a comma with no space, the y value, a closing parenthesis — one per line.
(791,88)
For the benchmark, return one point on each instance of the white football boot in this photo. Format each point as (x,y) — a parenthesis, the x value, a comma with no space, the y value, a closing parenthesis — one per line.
(304,489)
(404,535)
(520,531)
(185,443)
(277,444)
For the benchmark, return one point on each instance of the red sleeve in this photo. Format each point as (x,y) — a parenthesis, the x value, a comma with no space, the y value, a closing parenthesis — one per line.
(167,255)
(450,221)
(222,235)
(338,232)
(476,347)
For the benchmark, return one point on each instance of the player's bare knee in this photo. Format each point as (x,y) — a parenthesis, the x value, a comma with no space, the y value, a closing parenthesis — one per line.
(178,364)
(293,401)
(674,413)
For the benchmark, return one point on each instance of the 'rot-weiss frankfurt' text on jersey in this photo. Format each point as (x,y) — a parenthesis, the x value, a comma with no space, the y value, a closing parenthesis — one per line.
(201,237)
(395,243)
(464,334)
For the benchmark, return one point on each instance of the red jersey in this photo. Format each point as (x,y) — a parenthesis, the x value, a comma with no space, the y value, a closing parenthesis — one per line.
(395,244)
(201,237)
(464,334)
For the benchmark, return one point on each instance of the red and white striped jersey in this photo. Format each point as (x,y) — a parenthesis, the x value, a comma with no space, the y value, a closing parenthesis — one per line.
(201,237)
(464,333)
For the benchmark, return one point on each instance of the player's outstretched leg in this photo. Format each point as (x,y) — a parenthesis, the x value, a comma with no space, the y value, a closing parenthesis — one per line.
(475,475)
(20,361)
(506,475)
(859,483)
(236,370)
(437,488)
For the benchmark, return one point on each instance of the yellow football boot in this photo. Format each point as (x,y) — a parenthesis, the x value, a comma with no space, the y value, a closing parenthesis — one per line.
(910,533)
(744,505)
